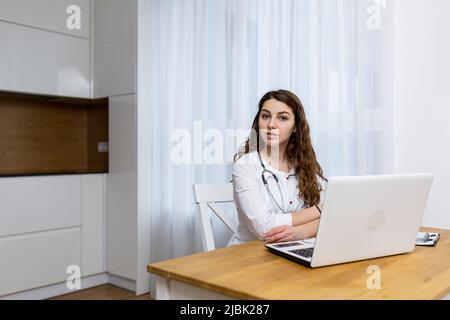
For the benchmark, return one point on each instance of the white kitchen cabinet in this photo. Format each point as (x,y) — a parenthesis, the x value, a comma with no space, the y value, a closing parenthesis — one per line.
(48,223)
(47,14)
(33,204)
(122,187)
(115,47)
(42,62)
(94,224)
(39,259)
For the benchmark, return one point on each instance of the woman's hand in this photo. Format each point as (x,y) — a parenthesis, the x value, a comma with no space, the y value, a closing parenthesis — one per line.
(292,233)
(284,234)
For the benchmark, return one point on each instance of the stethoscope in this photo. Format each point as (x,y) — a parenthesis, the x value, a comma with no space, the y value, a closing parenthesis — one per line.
(266,184)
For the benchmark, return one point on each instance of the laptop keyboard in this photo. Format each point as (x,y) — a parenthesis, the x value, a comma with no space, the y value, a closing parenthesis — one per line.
(306,253)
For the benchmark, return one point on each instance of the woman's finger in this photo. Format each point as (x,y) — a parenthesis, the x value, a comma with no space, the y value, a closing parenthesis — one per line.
(274,231)
(286,239)
(278,236)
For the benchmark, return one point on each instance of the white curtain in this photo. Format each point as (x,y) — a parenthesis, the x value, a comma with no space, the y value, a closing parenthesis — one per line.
(212,60)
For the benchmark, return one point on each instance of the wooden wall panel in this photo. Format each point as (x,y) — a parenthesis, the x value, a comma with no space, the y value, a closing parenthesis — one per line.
(97,132)
(45,135)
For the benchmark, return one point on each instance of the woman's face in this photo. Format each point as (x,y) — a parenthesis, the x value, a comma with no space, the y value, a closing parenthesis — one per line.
(276,123)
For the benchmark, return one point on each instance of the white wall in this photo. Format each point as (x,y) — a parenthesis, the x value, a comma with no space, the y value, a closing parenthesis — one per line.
(144,150)
(422,99)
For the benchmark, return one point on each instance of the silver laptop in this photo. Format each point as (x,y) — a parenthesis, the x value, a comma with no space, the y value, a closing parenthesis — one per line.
(362,218)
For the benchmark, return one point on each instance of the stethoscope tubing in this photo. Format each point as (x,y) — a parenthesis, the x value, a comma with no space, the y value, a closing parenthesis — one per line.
(266,184)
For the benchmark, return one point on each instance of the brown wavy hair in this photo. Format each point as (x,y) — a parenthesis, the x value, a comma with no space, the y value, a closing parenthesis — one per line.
(299,151)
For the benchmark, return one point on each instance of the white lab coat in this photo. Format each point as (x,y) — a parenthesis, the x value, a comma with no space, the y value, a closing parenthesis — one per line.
(257,212)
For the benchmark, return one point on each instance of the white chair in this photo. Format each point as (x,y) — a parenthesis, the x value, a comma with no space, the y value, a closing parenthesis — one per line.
(206,197)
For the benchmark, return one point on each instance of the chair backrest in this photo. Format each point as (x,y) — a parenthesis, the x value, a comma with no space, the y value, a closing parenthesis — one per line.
(207,196)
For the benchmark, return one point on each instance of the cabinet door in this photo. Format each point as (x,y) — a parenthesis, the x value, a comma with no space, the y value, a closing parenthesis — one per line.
(32,204)
(36,260)
(36,61)
(47,14)
(115,47)
(122,188)
(94,224)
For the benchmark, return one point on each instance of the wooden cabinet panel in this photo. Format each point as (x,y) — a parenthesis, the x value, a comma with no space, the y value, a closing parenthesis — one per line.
(47,135)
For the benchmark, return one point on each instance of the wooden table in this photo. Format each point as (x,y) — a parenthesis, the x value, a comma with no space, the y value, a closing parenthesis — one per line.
(249,271)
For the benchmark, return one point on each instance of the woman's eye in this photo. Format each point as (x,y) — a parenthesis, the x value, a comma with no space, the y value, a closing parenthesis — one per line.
(284,118)
(265,116)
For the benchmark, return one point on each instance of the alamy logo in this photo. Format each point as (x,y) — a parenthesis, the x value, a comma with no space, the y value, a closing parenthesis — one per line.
(374,12)
(74,280)
(374,280)
(73,22)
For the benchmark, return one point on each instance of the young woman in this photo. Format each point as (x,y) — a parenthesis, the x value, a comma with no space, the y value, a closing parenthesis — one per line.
(278,183)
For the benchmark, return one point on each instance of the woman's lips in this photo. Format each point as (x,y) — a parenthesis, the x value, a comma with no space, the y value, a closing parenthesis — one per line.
(271,136)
